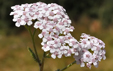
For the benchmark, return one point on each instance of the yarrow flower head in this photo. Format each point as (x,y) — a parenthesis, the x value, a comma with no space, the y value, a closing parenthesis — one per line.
(55,25)
(92,51)
(26,13)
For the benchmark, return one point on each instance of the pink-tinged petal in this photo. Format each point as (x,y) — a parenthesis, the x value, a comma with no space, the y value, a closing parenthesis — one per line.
(17,24)
(53,56)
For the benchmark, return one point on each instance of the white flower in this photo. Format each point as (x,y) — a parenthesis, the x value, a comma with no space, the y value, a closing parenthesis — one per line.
(95,54)
(46,48)
(87,56)
(53,56)
(37,24)
(55,25)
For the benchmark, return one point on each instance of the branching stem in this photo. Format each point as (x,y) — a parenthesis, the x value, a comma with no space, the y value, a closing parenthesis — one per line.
(35,50)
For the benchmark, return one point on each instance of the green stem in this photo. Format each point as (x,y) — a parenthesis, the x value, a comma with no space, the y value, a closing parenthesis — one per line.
(66,66)
(32,36)
(42,65)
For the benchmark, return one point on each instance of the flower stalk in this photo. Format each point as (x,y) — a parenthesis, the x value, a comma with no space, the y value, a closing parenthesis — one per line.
(35,50)
(42,63)
(67,66)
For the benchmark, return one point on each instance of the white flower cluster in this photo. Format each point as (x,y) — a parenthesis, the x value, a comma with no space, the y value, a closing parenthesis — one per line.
(56,38)
(26,13)
(92,51)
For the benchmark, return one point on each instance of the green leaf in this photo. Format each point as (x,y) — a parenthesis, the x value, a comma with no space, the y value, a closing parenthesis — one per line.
(32,53)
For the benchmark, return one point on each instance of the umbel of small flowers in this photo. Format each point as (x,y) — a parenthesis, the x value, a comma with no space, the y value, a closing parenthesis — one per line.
(55,25)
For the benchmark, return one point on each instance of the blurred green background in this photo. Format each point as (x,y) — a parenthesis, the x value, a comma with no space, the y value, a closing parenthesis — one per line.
(94,17)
